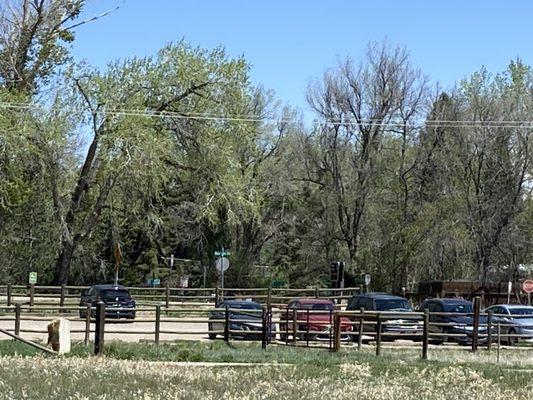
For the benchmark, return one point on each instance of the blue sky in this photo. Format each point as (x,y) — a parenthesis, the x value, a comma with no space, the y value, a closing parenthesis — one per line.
(290,42)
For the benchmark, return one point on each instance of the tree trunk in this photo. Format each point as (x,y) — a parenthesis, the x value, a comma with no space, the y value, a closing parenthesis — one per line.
(63,262)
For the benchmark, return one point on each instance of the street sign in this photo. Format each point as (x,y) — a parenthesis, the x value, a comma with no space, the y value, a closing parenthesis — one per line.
(184,281)
(153,282)
(223,253)
(367,279)
(221,264)
(527,286)
(32,279)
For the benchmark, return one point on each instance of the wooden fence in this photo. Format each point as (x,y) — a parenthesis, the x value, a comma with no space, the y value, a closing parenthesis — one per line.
(271,326)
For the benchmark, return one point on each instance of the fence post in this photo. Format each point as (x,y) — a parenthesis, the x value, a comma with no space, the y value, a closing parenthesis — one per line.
(167,296)
(32,296)
(294,325)
(99,329)
(269,297)
(226,325)
(17,319)
(378,336)
(265,328)
(425,335)
(499,343)
(9,294)
(317,293)
(62,298)
(489,330)
(337,331)
(361,327)
(217,296)
(157,323)
(475,331)
(88,324)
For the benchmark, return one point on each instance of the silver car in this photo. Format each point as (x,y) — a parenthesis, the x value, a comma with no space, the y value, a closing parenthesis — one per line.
(516,321)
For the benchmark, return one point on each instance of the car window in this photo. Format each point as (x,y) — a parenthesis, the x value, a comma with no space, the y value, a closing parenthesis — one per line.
(115,295)
(462,308)
(391,304)
(352,304)
(317,306)
(91,291)
(434,307)
(245,306)
(522,311)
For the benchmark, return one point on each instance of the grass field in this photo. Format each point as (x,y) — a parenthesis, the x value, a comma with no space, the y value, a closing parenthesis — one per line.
(134,371)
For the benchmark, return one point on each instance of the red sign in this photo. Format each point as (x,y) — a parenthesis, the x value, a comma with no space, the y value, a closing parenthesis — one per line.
(527,286)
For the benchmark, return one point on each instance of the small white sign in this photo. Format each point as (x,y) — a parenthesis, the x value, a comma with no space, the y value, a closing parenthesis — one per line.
(221,264)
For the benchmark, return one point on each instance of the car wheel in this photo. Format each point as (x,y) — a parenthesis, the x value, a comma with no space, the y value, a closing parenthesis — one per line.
(511,339)
(212,336)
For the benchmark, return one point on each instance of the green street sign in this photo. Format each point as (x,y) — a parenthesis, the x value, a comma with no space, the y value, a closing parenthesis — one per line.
(222,253)
(32,278)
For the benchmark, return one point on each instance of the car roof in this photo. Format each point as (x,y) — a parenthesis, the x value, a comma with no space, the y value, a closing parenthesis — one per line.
(108,287)
(511,306)
(449,300)
(381,295)
(314,301)
(238,302)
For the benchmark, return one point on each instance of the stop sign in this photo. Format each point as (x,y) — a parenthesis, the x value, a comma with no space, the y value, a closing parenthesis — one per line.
(527,286)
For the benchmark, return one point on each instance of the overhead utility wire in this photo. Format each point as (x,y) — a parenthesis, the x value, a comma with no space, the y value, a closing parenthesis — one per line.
(375,122)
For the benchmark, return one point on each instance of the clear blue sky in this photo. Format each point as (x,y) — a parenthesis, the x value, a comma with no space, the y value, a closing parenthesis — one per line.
(290,42)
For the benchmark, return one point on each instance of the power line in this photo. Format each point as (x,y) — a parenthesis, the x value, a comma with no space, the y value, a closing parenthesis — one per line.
(255,119)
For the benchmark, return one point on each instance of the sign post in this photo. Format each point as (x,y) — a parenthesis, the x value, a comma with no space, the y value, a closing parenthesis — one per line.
(222,263)
(527,286)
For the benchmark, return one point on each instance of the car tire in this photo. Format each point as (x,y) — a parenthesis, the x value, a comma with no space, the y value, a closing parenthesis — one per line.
(211,336)
(512,340)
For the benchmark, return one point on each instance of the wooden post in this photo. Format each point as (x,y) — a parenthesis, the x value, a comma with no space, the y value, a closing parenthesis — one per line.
(269,297)
(378,336)
(317,293)
(294,325)
(226,325)
(88,325)
(167,296)
(217,296)
(361,328)
(337,332)
(489,330)
(17,319)
(62,299)
(9,294)
(499,343)
(265,328)
(99,329)
(157,323)
(475,331)
(32,295)
(425,335)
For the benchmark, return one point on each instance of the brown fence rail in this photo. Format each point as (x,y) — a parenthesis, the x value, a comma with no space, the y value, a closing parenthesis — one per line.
(70,295)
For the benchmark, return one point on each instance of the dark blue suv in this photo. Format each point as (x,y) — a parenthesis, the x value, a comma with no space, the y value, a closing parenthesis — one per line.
(117,299)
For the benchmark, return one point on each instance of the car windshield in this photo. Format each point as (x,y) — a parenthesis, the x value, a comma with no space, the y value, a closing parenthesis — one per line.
(117,295)
(242,306)
(521,311)
(391,304)
(317,306)
(462,308)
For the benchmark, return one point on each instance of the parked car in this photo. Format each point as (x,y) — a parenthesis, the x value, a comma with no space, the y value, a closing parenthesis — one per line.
(115,297)
(395,327)
(245,317)
(458,321)
(314,319)
(520,319)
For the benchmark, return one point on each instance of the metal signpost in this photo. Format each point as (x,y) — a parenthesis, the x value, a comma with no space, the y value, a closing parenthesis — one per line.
(222,264)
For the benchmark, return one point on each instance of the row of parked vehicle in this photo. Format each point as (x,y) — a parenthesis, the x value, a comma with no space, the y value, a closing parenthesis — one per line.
(451,317)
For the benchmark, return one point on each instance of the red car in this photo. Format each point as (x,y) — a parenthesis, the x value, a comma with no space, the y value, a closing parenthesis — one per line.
(314,320)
